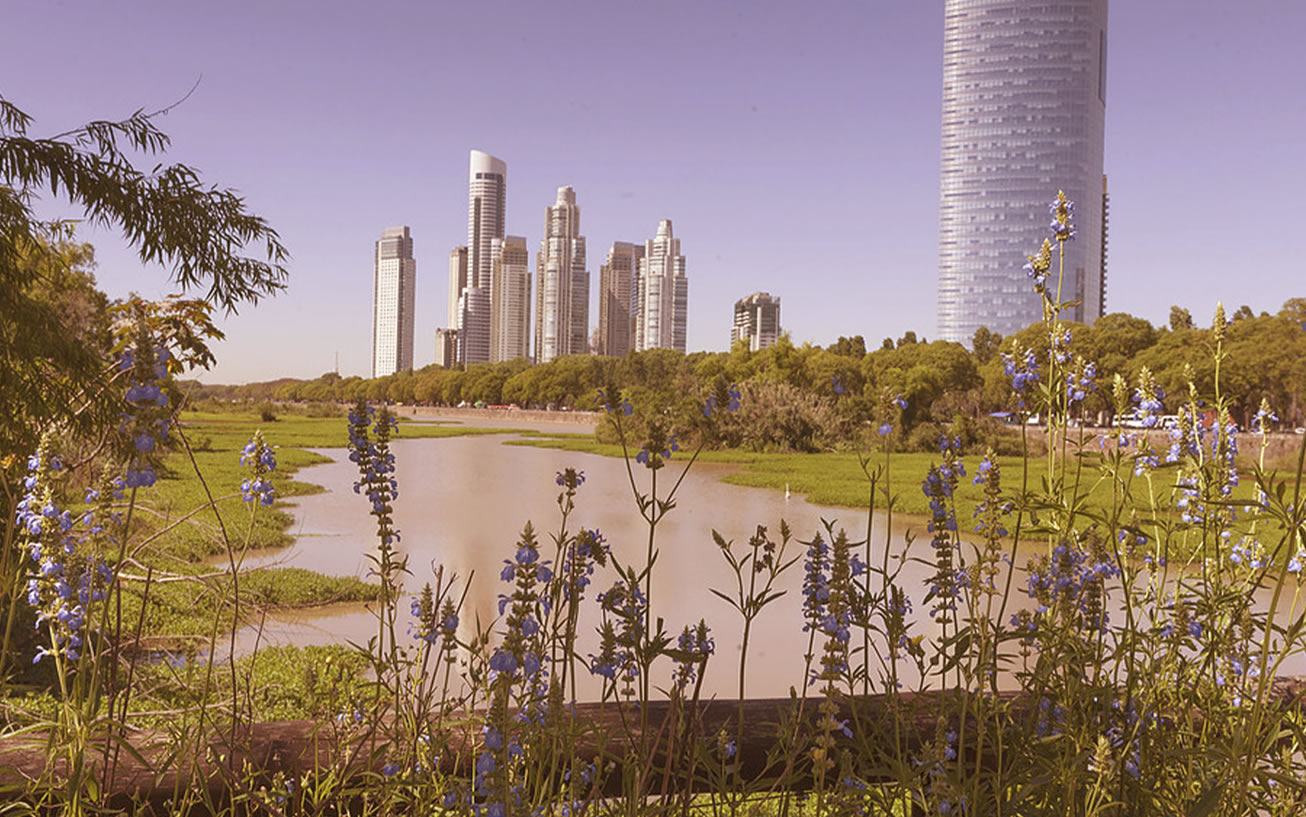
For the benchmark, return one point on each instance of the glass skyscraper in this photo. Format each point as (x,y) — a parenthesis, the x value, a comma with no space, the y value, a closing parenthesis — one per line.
(1024,107)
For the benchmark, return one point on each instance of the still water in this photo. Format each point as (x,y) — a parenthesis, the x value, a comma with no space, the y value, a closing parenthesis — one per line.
(463,502)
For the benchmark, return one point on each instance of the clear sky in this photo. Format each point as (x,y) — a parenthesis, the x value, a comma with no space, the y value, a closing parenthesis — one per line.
(795,146)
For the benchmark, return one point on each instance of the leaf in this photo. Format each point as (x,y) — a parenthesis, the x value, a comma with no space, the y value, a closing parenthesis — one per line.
(721,541)
(725,598)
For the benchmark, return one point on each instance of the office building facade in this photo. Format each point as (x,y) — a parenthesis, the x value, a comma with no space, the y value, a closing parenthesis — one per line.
(457,282)
(616,332)
(756,321)
(510,299)
(486,204)
(1024,110)
(394,300)
(562,283)
(662,293)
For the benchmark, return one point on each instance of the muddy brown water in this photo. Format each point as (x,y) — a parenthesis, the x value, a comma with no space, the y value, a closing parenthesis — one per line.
(463,502)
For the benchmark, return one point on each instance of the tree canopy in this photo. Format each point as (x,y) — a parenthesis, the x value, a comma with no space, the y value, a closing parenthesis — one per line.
(52,320)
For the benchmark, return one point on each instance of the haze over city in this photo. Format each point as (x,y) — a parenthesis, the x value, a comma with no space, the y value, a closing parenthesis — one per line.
(796,148)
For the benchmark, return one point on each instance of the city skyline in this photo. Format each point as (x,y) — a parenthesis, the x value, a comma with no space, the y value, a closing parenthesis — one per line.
(788,144)
(1024,111)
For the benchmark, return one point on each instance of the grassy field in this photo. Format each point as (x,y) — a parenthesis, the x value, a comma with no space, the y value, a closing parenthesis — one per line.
(838,479)
(182,536)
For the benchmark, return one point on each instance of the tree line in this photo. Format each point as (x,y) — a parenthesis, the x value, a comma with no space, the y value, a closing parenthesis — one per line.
(938,380)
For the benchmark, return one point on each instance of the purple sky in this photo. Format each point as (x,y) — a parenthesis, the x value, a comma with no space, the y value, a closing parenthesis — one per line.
(794,146)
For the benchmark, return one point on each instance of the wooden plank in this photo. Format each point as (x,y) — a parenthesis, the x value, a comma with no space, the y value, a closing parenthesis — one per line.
(604,732)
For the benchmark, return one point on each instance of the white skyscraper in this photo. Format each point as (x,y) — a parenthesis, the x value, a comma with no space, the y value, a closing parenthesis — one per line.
(510,306)
(1024,110)
(563,284)
(487,192)
(394,284)
(662,294)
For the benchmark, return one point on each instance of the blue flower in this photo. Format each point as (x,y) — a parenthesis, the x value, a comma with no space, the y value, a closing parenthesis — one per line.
(1062,212)
(503,662)
(570,478)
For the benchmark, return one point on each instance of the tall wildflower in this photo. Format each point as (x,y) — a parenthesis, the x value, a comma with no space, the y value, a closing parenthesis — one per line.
(621,635)
(991,513)
(695,646)
(1038,266)
(816,585)
(261,462)
(949,578)
(369,448)
(1021,365)
(1062,212)
(147,420)
(835,625)
(518,678)
(64,580)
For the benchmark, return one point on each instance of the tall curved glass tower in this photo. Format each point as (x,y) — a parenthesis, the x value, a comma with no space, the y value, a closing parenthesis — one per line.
(1024,108)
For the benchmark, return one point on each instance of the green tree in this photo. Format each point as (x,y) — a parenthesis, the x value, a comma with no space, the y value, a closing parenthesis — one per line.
(1180,318)
(849,347)
(49,375)
(984,345)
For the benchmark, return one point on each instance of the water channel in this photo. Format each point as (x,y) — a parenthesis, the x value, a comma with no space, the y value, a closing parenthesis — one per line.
(464,500)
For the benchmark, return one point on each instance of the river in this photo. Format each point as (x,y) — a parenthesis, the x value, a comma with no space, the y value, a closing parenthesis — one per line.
(464,500)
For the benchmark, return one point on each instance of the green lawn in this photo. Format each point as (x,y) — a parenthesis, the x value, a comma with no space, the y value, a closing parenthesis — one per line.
(175,529)
(838,479)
